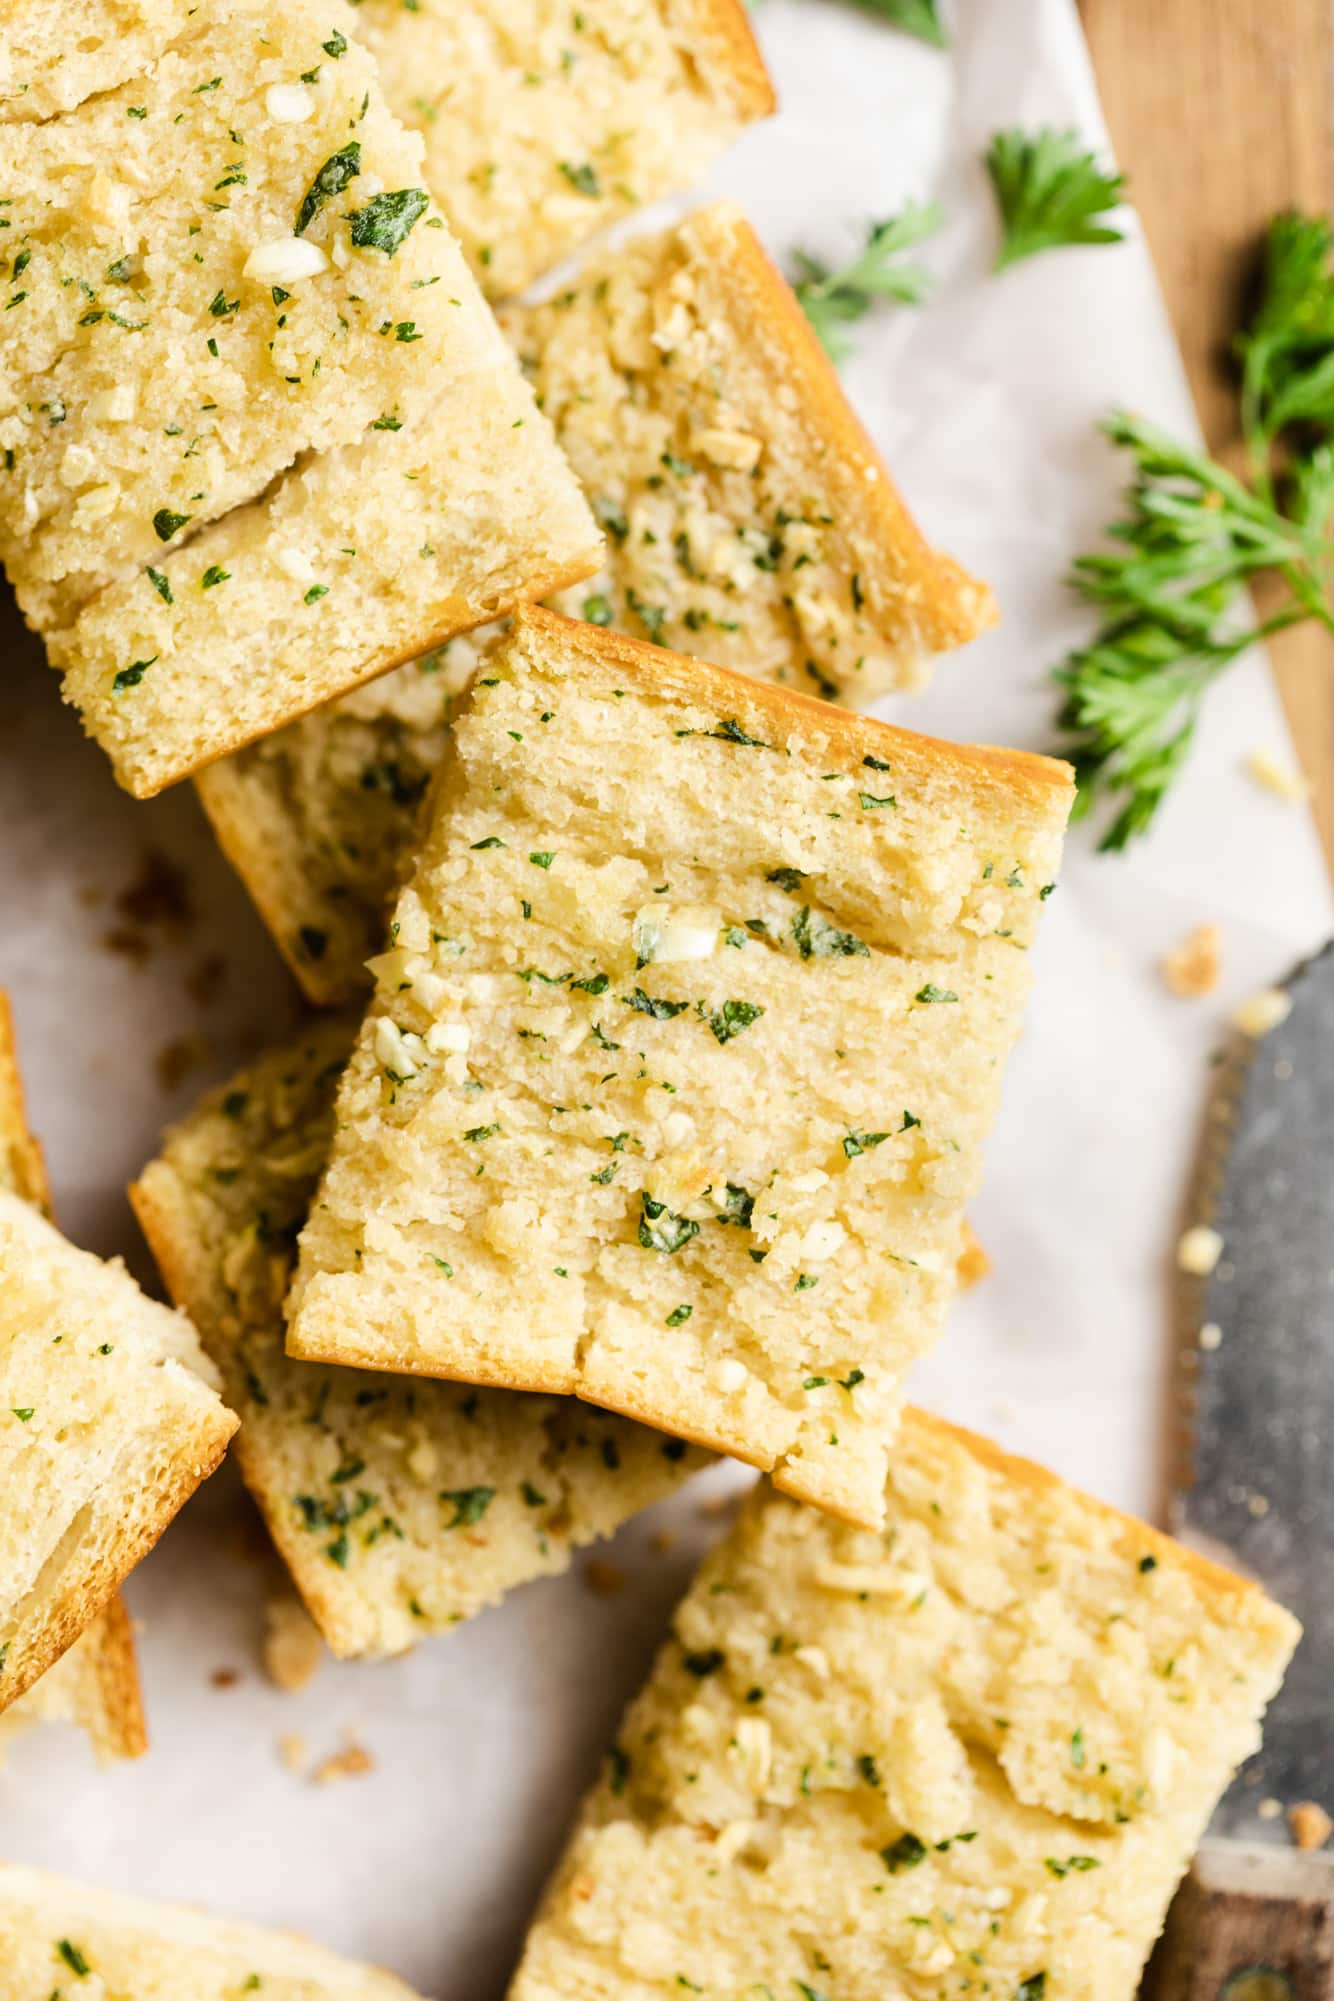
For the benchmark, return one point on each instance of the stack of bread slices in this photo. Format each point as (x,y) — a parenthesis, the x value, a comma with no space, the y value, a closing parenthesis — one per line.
(519,658)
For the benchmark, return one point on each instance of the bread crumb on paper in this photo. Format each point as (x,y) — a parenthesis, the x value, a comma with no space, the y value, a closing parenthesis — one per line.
(292,1750)
(1193,968)
(353,1762)
(293,1648)
(1309,1824)
(1198,1250)
(1263,1011)
(1278,778)
(604,1580)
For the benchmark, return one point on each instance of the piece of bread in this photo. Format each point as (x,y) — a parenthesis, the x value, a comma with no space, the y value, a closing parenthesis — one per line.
(804,568)
(750,517)
(352,456)
(400,1507)
(45,69)
(319,819)
(971,1755)
(96,1682)
(144,363)
(544,123)
(60,1940)
(683,1055)
(109,1424)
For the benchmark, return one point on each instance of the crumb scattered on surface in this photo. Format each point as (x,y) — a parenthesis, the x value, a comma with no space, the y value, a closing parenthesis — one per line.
(176,1060)
(1210,1336)
(127,943)
(1195,966)
(292,1750)
(1262,1011)
(1198,1250)
(974,1264)
(1277,777)
(293,1648)
(1311,1826)
(1269,1809)
(353,1762)
(206,980)
(224,1678)
(661,1542)
(604,1580)
(158,896)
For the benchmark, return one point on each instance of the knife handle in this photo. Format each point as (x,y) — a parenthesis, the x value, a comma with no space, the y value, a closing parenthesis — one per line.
(1248,1924)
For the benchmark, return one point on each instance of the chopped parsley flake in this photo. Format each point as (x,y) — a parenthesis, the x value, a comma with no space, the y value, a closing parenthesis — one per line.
(660,1230)
(386,222)
(469,1504)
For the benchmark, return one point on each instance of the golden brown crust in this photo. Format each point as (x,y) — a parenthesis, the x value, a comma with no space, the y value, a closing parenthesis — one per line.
(684,678)
(167,1232)
(222,798)
(116,1724)
(1135,1533)
(91,1594)
(467,619)
(946,605)
(24,1150)
(974,1262)
(117,1727)
(736,68)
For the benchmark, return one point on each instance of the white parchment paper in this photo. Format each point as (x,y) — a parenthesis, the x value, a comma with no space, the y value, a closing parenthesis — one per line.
(985,403)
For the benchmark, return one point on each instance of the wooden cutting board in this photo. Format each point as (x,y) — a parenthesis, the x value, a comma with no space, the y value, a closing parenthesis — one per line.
(1222,112)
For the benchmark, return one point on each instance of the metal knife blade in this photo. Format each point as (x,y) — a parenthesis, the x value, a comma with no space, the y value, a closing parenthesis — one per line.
(1255,1489)
(1260,1486)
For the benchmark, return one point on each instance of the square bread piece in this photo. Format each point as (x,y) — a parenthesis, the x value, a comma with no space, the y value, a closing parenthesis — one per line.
(749,519)
(544,122)
(56,1935)
(95,1683)
(110,1423)
(399,1507)
(971,1755)
(676,1077)
(241,323)
(204,277)
(749,516)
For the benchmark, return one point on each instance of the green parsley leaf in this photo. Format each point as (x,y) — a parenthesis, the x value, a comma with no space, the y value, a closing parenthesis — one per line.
(731,1018)
(131,676)
(931,993)
(817,938)
(834,298)
(161,584)
(678,1316)
(73,1958)
(855,1143)
(387,220)
(469,1505)
(337,173)
(915,17)
(905,1853)
(1050,191)
(582,178)
(336,46)
(704,1663)
(166,523)
(660,1010)
(660,1230)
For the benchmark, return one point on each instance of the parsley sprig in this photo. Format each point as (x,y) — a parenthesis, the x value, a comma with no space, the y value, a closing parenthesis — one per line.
(1193,536)
(833,299)
(915,17)
(1051,191)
